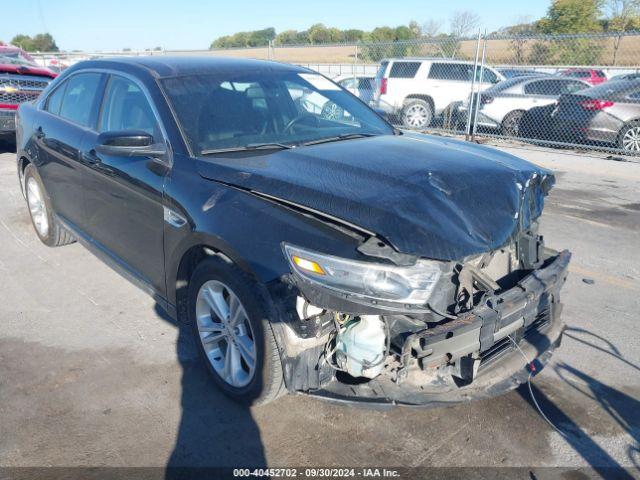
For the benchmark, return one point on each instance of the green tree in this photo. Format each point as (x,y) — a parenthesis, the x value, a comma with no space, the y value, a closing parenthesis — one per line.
(353,35)
(44,42)
(318,33)
(385,46)
(572,17)
(288,37)
(25,42)
(255,38)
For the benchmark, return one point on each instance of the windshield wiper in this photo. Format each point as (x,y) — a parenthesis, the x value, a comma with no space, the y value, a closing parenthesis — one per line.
(249,146)
(337,138)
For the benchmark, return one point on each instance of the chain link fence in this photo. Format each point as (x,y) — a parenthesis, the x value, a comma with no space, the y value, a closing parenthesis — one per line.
(578,91)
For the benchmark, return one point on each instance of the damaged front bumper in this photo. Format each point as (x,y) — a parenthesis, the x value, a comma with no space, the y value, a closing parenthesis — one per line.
(470,357)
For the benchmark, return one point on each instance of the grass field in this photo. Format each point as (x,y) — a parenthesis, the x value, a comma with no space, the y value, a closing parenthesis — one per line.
(522,52)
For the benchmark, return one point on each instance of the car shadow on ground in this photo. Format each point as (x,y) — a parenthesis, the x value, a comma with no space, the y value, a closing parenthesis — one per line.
(622,408)
(214,431)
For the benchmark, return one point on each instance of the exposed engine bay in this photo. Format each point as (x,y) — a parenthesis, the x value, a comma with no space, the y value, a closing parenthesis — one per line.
(479,310)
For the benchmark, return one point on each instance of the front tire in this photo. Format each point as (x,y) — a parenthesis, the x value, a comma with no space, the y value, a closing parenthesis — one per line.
(229,320)
(48,228)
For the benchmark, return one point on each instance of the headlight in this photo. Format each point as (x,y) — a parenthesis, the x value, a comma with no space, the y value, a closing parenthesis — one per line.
(412,285)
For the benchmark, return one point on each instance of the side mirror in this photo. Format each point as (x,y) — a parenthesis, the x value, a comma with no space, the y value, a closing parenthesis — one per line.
(129,143)
(382,113)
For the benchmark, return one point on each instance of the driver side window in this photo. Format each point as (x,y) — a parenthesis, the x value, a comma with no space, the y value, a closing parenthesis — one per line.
(125,107)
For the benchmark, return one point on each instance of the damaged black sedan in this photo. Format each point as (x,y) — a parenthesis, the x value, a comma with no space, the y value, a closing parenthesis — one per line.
(311,247)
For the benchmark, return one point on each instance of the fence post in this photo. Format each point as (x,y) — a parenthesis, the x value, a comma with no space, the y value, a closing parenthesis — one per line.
(473,84)
(479,96)
(355,65)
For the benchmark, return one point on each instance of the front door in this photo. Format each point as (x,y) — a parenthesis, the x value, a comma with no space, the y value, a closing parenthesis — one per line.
(123,195)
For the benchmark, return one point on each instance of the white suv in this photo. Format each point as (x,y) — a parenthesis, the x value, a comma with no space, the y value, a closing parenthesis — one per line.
(417,89)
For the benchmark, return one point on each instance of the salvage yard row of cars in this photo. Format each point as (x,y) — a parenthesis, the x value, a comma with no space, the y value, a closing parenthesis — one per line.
(575,106)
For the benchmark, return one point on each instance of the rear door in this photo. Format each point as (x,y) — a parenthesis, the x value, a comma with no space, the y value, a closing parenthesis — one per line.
(124,194)
(60,129)
(449,82)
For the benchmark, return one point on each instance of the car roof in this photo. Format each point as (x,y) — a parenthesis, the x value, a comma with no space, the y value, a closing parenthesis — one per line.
(613,88)
(426,59)
(169,66)
(344,76)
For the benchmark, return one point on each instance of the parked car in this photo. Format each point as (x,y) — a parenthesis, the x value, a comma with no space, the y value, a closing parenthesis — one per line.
(20,81)
(339,258)
(607,114)
(589,75)
(503,105)
(625,76)
(360,86)
(520,72)
(16,53)
(416,90)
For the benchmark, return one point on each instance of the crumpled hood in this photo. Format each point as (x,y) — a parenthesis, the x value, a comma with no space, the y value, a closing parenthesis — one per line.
(427,196)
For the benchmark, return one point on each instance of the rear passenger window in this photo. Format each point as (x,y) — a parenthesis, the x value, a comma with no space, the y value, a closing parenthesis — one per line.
(55,99)
(404,69)
(487,76)
(451,71)
(79,97)
(543,87)
(125,107)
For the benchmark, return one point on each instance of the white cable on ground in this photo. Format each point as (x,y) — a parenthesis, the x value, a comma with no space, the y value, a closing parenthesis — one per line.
(535,402)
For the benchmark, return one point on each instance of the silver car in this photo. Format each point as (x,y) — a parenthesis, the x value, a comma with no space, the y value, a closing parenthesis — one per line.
(607,114)
(502,106)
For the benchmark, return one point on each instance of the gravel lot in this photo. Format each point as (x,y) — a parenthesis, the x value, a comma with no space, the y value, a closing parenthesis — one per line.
(92,374)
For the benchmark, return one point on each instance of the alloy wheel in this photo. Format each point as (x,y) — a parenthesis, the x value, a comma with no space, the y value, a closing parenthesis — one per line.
(332,111)
(631,140)
(37,207)
(416,116)
(226,333)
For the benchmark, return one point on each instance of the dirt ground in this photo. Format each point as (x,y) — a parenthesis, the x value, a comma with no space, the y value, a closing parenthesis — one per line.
(92,374)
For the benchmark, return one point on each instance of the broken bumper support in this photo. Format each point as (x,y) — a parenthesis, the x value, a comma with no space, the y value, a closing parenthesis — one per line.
(529,313)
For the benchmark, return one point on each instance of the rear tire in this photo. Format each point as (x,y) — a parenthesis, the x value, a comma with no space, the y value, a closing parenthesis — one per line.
(629,138)
(48,228)
(417,114)
(242,356)
(511,123)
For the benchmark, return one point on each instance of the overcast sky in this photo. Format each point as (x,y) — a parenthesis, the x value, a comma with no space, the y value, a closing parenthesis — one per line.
(193,24)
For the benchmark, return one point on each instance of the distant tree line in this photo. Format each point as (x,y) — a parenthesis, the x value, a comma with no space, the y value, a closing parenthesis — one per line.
(564,17)
(614,17)
(317,34)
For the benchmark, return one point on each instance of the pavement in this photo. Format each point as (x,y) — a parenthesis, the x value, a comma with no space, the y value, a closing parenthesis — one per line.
(93,374)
